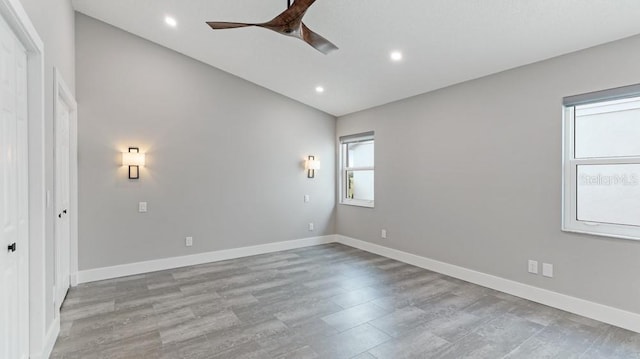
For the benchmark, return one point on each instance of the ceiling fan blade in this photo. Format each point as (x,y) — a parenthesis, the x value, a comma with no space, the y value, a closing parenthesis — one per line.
(292,15)
(216,25)
(318,42)
(289,23)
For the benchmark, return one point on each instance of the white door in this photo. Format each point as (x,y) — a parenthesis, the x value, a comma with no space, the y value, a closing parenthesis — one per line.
(63,228)
(14,251)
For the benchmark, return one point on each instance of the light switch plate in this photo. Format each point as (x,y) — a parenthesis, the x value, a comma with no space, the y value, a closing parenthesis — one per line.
(307,198)
(533,267)
(311,227)
(383,234)
(188,241)
(142,207)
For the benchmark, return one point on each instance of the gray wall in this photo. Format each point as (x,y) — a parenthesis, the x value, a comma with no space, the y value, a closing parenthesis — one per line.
(471,175)
(224,156)
(54,22)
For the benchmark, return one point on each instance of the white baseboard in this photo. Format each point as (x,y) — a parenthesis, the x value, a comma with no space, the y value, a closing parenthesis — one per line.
(49,340)
(92,275)
(585,308)
(600,312)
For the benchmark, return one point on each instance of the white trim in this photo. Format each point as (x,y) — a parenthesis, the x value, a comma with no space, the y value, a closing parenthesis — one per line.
(50,340)
(600,312)
(570,163)
(585,308)
(357,202)
(568,211)
(362,168)
(343,142)
(15,15)
(19,21)
(92,275)
(62,90)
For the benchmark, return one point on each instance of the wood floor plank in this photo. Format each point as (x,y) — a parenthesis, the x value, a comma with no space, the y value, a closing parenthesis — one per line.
(328,301)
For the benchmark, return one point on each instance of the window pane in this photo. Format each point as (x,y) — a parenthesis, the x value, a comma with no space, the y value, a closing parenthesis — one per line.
(609,194)
(359,185)
(360,154)
(608,129)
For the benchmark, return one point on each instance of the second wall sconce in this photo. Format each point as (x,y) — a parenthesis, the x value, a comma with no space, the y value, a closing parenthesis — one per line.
(311,165)
(134,159)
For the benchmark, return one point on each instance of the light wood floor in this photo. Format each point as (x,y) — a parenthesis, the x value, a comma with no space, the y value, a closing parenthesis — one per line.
(328,301)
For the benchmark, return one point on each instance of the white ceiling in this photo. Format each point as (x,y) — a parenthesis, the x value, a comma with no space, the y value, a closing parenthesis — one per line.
(444,41)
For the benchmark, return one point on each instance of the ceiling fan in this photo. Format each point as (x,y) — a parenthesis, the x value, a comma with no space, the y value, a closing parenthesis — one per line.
(289,23)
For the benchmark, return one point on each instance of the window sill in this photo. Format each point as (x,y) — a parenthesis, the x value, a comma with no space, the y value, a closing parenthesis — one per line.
(603,231)
(357,203)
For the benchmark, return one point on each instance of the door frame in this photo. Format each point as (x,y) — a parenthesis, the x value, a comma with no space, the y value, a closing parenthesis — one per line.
(16,17)
(62,91)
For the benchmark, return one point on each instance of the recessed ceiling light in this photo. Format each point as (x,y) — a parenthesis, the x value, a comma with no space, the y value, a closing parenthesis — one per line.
(319,89)
(396,56)
(170,21)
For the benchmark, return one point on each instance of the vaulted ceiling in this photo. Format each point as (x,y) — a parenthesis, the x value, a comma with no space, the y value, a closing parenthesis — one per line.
(443,42)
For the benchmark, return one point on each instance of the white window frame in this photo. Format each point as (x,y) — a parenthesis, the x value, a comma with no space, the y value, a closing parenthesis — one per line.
(344,141)
(570,223)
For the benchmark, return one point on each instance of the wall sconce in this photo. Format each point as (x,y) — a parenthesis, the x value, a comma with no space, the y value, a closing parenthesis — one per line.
(311,165)
(134,159)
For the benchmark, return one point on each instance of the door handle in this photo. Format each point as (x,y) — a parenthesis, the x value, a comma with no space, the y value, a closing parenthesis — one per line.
(12,247)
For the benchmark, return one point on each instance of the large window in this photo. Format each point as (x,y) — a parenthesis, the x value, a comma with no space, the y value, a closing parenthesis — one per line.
(602,163)
(357,169)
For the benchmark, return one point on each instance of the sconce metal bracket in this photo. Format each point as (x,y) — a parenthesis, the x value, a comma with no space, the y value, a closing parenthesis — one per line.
(134,171)
(311,173)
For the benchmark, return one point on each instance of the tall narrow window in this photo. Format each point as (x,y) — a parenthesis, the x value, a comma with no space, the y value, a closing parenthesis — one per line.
(357,170)
(602,163)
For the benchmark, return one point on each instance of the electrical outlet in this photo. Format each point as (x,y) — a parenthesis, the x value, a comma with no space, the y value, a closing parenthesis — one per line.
(311,227)
(142,207)
(383,234)
(188,241)
(547,270)
(307,198)
(533,267)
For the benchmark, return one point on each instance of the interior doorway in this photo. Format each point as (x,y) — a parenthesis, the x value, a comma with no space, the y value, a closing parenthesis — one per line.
(35,337)
(65,122)
(14,197)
